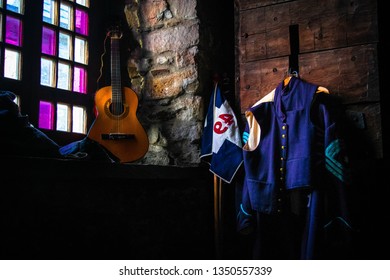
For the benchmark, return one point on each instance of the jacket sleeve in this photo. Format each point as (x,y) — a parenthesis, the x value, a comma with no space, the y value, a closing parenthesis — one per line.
(332,170)
(326,114)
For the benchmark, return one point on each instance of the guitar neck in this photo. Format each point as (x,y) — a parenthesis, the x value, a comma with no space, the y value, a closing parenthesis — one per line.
(116,71)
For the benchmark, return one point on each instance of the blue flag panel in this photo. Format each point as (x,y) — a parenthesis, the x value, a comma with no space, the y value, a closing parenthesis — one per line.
(221,139)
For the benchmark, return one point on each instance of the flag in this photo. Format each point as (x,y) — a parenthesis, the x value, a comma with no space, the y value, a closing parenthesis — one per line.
(221,145)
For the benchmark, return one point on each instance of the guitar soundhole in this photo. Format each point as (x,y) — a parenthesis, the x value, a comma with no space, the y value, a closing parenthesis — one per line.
(116,110)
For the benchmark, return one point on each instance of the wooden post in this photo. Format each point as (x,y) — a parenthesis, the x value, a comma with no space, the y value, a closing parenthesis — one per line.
(218,216)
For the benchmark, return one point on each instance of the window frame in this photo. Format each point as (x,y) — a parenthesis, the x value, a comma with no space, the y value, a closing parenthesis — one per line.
(29,90)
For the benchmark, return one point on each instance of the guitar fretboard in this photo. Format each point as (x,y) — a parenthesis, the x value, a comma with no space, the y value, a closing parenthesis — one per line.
(116,76)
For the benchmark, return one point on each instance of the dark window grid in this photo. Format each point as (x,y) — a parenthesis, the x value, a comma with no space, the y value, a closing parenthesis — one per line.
(3,45)
(71,98)
(54,95)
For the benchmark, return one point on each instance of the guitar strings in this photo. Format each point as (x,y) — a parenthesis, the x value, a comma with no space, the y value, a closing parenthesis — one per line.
(117,107)
(116,71)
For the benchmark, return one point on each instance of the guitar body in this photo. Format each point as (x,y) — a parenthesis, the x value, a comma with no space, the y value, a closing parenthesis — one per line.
(116,126)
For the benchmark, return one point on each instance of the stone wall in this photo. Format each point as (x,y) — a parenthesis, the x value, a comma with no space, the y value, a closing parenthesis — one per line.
(171,69)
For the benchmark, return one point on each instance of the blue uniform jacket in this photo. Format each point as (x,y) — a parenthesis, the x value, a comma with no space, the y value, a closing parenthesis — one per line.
(291,142)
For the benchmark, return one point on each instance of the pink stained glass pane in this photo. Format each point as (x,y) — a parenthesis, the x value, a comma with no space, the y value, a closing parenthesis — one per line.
(13,31)
(1,27)
(48,41)
(46,115)
(80,80)
(81,22)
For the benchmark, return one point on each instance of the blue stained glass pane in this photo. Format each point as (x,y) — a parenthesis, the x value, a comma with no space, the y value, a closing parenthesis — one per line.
(15,6)
(65,16)
(48,11)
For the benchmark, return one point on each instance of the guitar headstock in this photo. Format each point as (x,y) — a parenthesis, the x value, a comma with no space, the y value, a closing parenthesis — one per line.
(115,32)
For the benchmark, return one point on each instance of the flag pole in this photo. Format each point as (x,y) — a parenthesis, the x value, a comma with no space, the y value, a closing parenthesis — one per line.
(217,216)
(220,218)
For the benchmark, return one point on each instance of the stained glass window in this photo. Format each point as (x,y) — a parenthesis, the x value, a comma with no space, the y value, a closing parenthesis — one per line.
(64,76)
(62,59)
(1,27)
(11,34)
(81,22)
(79,80)
(78,120)
(13,31)
(81,50)
(66,16)
(83,2)
(62,117)
(15,6)
(71,47)
(12,64)
(46,115)
(64,47)
(49,45)
(48,15)
(47,72)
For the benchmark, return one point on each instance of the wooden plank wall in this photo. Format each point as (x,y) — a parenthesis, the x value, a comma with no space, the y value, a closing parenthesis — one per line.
(334,45)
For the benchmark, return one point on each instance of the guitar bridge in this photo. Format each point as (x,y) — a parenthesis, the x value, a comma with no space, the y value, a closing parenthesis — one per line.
(117,136)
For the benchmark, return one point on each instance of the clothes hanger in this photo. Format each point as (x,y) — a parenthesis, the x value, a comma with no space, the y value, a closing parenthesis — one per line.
(322,89)
(296,74)
(289,75)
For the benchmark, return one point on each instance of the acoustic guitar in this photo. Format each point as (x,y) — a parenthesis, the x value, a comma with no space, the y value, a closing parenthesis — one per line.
(116,126)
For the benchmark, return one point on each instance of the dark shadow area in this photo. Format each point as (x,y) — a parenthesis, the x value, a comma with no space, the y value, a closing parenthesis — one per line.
(69,209)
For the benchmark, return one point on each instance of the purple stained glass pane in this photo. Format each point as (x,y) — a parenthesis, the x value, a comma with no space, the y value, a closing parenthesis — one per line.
(48,41)
(13,31)
(46,115)
(81,22)
(80,80)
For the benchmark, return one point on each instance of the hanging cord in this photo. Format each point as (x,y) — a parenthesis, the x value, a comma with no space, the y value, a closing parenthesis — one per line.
(101,59)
